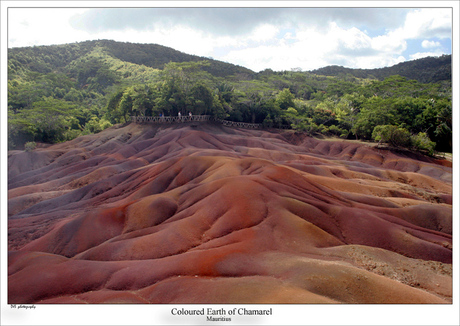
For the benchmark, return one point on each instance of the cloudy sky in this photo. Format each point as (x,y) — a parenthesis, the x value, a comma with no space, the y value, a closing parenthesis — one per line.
(256,38)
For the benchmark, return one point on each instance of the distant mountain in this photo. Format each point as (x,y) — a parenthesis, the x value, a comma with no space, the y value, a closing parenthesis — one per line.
(56,58)
(46,59)
(425,70)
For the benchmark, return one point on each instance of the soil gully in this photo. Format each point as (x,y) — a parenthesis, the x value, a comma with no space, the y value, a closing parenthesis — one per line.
(210,214)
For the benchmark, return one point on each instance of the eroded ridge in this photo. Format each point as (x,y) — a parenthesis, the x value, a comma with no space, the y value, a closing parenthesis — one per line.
(208,214)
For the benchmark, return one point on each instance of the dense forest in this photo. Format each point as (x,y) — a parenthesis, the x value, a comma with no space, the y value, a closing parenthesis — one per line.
(56,93)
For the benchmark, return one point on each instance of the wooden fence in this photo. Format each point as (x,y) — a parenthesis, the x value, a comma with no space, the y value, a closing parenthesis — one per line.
(192,118)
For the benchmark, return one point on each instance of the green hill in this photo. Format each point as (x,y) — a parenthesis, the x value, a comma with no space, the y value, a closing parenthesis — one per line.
(46,59)
(424,70)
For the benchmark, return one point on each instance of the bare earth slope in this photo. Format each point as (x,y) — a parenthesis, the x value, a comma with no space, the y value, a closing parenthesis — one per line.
(208,214)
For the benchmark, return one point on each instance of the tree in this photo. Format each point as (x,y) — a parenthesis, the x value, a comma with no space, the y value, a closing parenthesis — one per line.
(436,122)
(285,99)
(347,109)
(443,131)
(51,118)
(374,112)
(422,142)
(95,125)
(47,121)
(225,92)
(112,107)
(125,106)
(201,99)
(20,129)
(393,135)
(407,109)
(324,113)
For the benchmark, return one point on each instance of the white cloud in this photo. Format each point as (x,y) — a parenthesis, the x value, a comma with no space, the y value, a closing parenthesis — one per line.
(428,23)
(419,55)
(392,42)
(263,33)
(39,26)
(353,39)
(430,44)
(312,48)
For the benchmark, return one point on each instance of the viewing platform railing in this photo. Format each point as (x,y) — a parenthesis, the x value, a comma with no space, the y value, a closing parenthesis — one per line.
(192,118)
(240,124)
(170,119)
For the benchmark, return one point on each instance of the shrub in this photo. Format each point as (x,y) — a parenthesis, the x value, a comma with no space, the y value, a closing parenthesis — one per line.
(422,142)
(323,129)
(94,125)
(30,146)
(393,135)
(337,131)
(105,124)
(268,122)
(305,125)
(71,134)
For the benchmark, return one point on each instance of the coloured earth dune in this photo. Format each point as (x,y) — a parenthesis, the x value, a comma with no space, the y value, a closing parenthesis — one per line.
(202,213)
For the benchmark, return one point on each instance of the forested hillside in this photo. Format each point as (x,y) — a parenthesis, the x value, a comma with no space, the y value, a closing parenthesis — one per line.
(56,93)
(424,70)
(45,59)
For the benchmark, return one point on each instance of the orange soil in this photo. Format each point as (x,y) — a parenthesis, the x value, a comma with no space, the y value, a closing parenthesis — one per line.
(209,214)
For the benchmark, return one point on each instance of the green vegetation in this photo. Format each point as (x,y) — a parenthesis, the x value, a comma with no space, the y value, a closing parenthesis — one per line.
(57,93)
(424,70)
(30,146)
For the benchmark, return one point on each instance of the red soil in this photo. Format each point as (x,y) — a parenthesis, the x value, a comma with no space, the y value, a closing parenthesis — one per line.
(209,214)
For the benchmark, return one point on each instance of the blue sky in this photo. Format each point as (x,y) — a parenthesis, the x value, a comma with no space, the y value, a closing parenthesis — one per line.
(257,38)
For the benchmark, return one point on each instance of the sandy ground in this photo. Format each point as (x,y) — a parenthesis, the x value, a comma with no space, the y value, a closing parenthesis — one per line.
(208,214)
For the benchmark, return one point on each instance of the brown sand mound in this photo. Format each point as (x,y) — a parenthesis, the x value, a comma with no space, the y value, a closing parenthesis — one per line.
(208,214)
